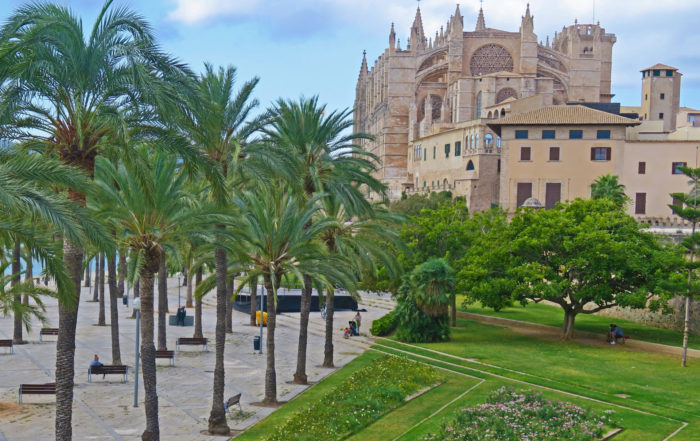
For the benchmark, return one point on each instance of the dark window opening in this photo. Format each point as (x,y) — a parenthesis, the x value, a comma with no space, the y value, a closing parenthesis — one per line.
(575,134)
(458,148)
(603,134)
(548,134)
(676,168)
(657,73)
(447,150)
(642,168)
(640,203)
(554,153)
(600,154)
(661,116)
(525,153)
(669,73)
(524,192)
(552,195)
(470,165)
(521,134)
(662,96)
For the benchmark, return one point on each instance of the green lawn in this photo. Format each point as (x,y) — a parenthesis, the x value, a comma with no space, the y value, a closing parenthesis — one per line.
(660,394)
(554,316)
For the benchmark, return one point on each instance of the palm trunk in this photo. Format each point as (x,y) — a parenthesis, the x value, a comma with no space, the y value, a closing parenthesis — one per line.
(188,302)
(122,273)
(568,327)
(300,376)
(270,372)
(17,337)
(328,348)
(185,271)
(217,417)
(229,311)
(453,311)
(113,311)
(95,290)
(87,274)
(65,345)
(253,302)
(198,308)
(28,276)
(148,356)
(162,302)
(101,317)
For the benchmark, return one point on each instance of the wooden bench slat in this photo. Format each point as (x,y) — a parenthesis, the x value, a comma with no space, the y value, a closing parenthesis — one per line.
(108,369)
(36,389)
(167,354)
(191,342)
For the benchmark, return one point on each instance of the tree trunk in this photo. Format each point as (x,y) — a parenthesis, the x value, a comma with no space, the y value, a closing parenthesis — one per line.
(28,275)
(113,311)
(229,309)
(87,273)
(184,279)
(300,376)
(270,372)
(568,327)
(122,273)
(101,317)
(162,302)
(198,308)
(328,348)
(65,345)
(453,311)
(217,417)
(95,290)
(253,302)
(686,330)
(17,337)
(148,356)
(188,302)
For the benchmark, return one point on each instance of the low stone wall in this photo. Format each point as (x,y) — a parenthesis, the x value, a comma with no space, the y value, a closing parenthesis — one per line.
(673,320)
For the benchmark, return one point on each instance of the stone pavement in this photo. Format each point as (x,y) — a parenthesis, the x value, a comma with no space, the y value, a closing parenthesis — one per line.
(103,409)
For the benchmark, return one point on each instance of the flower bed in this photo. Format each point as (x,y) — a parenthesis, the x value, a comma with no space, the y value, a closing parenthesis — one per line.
(523,416)
(358,401)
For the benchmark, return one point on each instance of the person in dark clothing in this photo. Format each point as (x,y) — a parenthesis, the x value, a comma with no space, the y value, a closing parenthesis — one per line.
(181,313)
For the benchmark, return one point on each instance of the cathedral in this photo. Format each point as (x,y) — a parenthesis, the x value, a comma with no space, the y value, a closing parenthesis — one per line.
(443,81)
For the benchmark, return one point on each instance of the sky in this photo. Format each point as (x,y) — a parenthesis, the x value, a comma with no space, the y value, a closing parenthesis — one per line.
(314,47)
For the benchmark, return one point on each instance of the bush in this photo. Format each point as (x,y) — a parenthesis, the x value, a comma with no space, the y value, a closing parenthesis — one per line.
(516,416)
(358,401)
(385,325)
(416,326)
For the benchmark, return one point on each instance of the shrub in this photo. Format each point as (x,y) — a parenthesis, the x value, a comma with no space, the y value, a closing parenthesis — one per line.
(514,416)
(358,401)
(385,325)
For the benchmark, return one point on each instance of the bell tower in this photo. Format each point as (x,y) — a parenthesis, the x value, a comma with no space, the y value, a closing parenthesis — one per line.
(661,90)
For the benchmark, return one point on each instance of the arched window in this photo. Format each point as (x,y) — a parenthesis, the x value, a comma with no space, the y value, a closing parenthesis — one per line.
(488,140)
(471,142)
(476,141)
(470,165)
(444,183)
(490,115)
(498,142)
(503,113)
(478,105)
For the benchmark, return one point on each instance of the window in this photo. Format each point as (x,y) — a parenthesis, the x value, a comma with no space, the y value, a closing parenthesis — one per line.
(657,73)
(603,134)
(488,140)
(661,116)
(447,150)
(642,168)
(425,184)
(640,203)
(575,134)
(470,165)
(600,154)
(458,148)
(676,168)
(471,142)
(646,97)
(548,134)
(434,151)
(525,154)
(552,195)
(417,152)
(425,154)
(523,193)
(662,96)
(476,141)
(498,166)
(498,139)
(669,73)
(521,134)
(554,153)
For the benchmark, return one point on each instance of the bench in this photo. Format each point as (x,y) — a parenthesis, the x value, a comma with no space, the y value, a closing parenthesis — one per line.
(36,389)
(47,331)
(236,399)
(167,354)
(108,369)
(191,342)
(189,320)
(7,344)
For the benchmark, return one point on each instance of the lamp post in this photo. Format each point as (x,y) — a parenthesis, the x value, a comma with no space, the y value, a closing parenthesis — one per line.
(262,304)
(178,290)
(137,308)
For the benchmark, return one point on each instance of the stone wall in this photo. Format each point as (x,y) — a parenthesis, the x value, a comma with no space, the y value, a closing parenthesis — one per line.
(673,320)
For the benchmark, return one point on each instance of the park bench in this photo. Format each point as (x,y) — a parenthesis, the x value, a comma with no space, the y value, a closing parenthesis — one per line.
(108,369)
(7,344)
(236,399)
(47,331)
(167,354)
(36,389)
(191,342)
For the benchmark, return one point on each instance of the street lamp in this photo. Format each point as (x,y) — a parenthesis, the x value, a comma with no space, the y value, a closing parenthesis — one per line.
(262,304)
(178,290)
(137,308)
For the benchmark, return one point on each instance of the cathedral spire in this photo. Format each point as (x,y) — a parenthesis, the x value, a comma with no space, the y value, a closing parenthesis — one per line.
(480,22)
(363,67)
(417,34)
(392,38)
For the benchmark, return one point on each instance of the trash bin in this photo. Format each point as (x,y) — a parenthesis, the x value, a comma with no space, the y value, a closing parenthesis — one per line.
(256,343)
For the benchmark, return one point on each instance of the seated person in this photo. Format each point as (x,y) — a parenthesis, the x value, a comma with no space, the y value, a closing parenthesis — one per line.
(614,334)
(353,328)
(346,333)
(96,363)
(181,313)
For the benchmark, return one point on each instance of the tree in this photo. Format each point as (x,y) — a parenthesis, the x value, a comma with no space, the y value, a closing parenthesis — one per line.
(72,108)
(608,186)
(11,291)
(422,304)
(327,161)
(688,208)
(580,253)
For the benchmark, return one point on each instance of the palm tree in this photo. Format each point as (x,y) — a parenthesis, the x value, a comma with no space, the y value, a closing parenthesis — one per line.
(151,208)
(9,303)
(275,226)
(608,186)
(328,162)
(71,108)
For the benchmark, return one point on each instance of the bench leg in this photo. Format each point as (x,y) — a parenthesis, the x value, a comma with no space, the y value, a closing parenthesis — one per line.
(20,397)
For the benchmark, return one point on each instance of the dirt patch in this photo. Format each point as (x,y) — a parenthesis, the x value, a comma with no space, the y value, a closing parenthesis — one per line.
(12,410)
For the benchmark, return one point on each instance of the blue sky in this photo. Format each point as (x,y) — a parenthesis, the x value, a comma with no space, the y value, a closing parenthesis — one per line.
(315,46)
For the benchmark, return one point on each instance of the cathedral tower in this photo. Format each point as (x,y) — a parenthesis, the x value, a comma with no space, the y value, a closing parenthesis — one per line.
(661,90)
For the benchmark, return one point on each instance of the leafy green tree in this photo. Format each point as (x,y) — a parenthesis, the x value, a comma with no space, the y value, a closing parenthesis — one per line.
(608,186)
(423,302)
(73,108)
(688,208)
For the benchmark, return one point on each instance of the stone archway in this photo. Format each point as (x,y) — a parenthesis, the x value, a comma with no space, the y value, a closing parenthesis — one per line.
(505,93)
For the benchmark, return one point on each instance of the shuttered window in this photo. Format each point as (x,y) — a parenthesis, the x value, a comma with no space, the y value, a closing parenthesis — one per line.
(640,203)
(554,153)
(525,154)
(552,195)
(642,168)
(524,192)
(600,153)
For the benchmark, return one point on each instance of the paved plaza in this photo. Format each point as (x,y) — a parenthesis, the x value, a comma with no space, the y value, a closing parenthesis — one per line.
(103,409)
